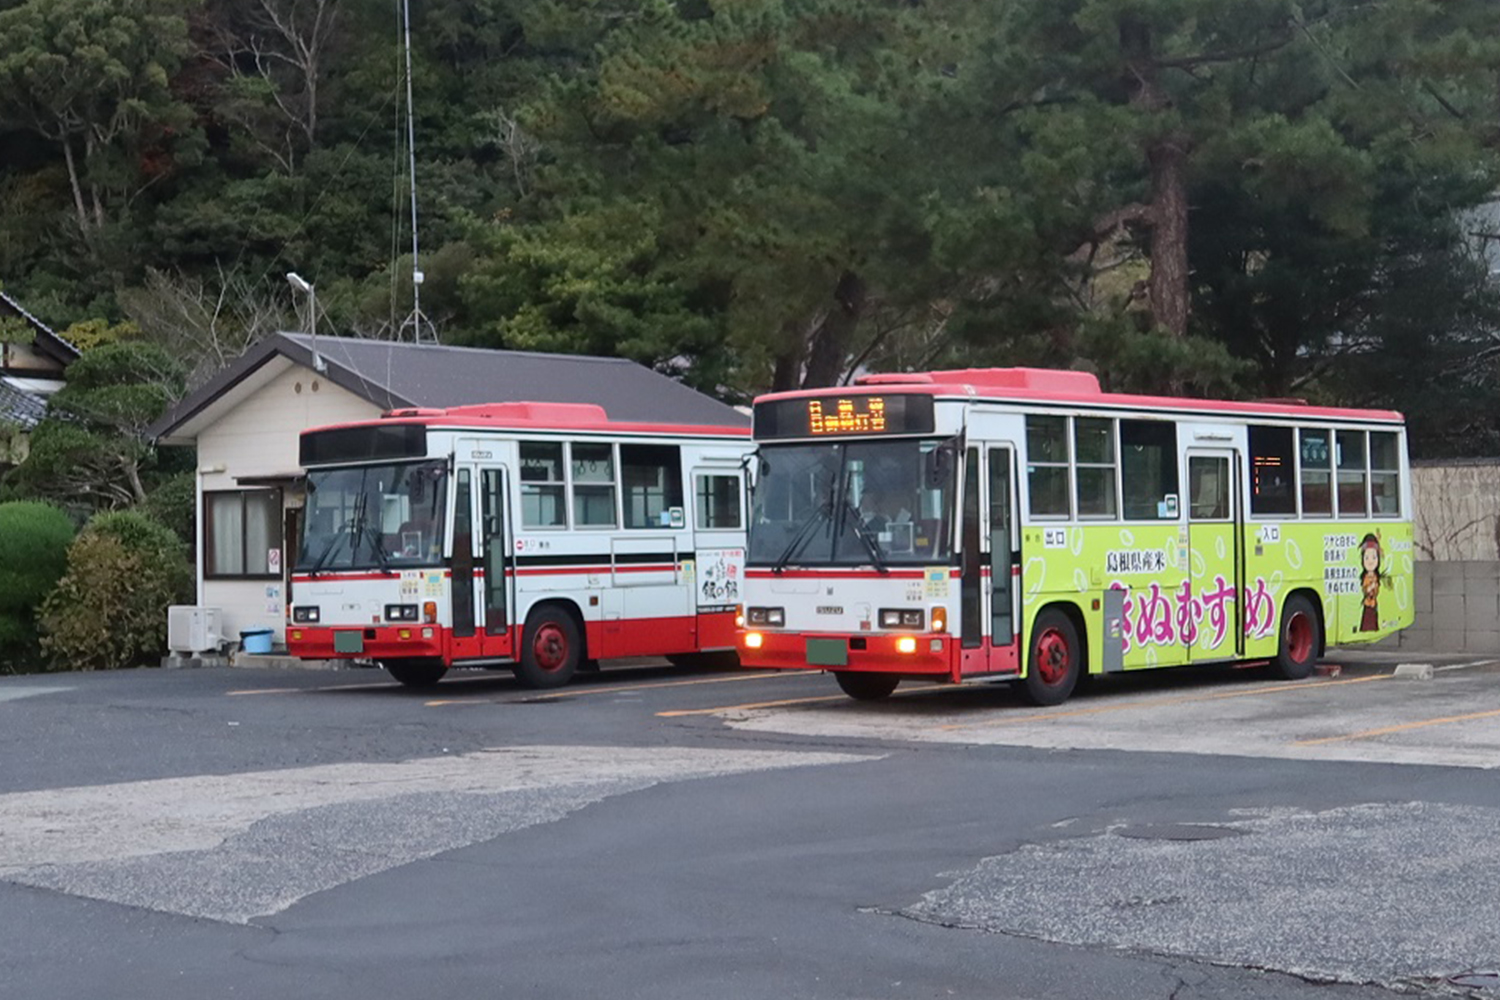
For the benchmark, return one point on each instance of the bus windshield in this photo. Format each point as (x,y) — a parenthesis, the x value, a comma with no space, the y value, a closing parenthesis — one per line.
(384,517)
(854,503)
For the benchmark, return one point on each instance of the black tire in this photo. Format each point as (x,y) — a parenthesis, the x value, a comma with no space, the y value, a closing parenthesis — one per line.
(1056,660)
(864,686)
(551,648)
(1299,641)
(416,673)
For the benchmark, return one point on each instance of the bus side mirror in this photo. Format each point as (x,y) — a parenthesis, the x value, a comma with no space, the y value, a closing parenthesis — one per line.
(938,467)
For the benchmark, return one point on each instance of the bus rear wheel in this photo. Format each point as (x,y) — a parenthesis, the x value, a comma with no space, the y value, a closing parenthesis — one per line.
(551,648)
(1056,660)
(416,673)
(1301,638)
(863,686)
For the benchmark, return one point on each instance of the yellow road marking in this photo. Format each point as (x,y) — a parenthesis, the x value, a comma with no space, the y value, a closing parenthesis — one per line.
(1155,703)
(326,687)
(748,706)
(573,692)
(1398,729)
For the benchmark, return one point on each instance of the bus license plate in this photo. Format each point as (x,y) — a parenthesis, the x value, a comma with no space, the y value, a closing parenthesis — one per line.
(348,642)
(827,653)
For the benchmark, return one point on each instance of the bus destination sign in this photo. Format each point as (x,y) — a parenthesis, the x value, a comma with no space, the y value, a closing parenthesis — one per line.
(830,416)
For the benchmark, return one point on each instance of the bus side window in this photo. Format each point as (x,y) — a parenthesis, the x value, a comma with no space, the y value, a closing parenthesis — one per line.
(652,476)
(718,502)
(1385,473)
(1148,470)
(1271,471)
(1317,475)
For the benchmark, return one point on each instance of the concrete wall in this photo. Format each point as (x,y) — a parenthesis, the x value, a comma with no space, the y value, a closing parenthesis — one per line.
(1458,609)
(1456,512)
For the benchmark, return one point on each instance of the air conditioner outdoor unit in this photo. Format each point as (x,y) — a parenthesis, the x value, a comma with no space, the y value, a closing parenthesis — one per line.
(193,629)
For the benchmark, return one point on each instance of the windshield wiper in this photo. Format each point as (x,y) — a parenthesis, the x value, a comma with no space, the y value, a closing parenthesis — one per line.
(862,532)
(803,534)
(378,545)
(317,565)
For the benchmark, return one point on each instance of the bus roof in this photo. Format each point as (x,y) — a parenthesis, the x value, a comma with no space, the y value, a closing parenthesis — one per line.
(1046,385)
(535,416)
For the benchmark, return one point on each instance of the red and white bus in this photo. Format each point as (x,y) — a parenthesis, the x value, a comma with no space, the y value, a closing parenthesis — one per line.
(534,536)
(1021,524)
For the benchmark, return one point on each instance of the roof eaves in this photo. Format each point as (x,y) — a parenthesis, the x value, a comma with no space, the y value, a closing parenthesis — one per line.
(49,340)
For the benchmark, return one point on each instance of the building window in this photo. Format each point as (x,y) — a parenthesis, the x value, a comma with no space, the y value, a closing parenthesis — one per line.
(542,485)
(1272,471)
(1094,448)
(1047,466)
(242,535)
(1148,470)
(1385,473)
(1352,473)
(718,502)
(1316,451)
(593,485)
(652,476)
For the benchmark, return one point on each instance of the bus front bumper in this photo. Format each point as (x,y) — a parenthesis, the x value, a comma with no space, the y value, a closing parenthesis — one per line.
(381,642)
(881,652)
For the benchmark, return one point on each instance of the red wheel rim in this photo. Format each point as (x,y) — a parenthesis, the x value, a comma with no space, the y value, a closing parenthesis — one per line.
(549,647)
(1053,657)
(1299,637)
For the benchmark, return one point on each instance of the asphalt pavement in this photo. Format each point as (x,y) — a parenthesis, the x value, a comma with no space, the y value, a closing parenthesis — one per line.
(657,833)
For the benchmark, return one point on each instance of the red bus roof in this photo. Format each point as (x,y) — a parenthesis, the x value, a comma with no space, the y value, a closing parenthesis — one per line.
(1046,385)
(534,416)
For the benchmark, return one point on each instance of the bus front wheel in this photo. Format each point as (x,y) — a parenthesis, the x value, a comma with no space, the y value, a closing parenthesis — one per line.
(415,673)
(1301,636)
(863,686)
(1056,660)
(551,648)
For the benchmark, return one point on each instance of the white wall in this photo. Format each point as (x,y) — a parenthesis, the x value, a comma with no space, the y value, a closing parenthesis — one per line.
(258,437)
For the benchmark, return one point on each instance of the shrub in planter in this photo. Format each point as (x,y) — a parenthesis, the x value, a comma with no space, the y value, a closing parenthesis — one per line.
(109,610)
(34,541)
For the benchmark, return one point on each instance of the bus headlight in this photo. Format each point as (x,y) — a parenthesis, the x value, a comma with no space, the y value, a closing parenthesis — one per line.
(307,614)
(902,618)
(400,612)
(766,616)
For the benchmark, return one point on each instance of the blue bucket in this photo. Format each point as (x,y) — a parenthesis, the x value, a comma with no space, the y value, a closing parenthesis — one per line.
(256,640)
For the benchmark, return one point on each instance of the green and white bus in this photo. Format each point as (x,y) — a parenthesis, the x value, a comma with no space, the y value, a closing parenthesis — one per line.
(1021,523)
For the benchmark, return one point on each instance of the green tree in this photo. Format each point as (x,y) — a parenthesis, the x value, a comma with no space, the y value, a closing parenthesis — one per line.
(34,541)
(89,453)
(93,77)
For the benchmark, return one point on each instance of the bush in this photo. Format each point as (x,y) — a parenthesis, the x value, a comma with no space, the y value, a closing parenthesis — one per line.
(34,541)
(109,610)
(175,504)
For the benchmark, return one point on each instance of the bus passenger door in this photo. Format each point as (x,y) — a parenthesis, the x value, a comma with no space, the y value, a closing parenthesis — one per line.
(1004,562)
(461,586)
(496,560)
(970,584)
(1213,629)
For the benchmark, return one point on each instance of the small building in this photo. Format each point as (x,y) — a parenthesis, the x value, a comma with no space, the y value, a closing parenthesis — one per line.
(33,366)
(246,423)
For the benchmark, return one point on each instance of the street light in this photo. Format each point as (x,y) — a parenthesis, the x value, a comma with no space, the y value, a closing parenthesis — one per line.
(302,285)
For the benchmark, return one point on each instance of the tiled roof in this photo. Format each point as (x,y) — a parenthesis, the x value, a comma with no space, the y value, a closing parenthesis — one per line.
(396,375)
(20,407)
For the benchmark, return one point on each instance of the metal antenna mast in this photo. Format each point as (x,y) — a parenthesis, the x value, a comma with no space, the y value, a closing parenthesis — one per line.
(423,331)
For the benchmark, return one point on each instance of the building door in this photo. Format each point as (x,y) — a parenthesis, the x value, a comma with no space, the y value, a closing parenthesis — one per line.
(1212,627)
